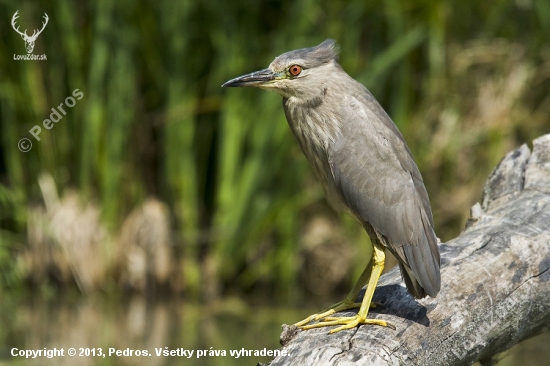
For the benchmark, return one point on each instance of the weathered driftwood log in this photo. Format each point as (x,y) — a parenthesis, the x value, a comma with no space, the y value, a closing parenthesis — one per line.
(495,285)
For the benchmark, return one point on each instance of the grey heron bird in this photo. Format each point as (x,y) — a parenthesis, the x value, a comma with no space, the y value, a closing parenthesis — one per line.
(364,166)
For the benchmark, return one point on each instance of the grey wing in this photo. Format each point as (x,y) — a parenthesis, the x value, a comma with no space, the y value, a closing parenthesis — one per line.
(380,183)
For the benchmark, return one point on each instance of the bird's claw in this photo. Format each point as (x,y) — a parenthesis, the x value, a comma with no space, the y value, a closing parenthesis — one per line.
(346,322)
(341,306)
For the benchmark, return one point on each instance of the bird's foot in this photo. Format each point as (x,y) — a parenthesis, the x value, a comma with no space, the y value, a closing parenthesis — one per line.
(340,306)
(347,322)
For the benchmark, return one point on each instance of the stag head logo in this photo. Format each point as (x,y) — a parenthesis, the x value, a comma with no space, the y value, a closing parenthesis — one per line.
(29,40)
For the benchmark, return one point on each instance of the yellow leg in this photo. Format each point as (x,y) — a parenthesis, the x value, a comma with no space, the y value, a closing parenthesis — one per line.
(370,274)
(346,304)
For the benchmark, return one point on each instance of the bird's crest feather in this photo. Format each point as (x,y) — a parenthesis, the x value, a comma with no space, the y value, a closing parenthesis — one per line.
(312,56)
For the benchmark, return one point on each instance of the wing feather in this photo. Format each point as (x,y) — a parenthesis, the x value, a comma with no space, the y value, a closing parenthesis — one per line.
(380,183)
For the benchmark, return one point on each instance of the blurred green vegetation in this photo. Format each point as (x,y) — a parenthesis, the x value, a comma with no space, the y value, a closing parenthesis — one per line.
(464,81)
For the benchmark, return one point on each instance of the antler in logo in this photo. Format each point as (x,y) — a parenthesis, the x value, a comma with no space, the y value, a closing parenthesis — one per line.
(29,41)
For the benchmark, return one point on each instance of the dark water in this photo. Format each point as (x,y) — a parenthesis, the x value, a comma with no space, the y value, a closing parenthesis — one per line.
(104,326)
(99,326)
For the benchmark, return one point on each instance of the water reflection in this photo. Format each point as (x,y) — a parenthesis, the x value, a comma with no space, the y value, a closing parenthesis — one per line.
(135,324)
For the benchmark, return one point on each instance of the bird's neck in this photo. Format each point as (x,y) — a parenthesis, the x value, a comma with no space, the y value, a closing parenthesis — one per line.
(315,132)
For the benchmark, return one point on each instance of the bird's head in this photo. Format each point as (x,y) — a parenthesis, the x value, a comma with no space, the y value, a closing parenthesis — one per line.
(302,74)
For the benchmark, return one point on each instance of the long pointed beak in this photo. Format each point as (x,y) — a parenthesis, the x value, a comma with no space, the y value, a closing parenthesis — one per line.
(256,78)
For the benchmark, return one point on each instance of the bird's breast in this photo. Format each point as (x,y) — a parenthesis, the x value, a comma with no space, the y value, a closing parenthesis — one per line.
(315,132)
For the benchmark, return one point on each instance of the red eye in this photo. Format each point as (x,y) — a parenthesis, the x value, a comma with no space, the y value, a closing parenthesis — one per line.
(295,70)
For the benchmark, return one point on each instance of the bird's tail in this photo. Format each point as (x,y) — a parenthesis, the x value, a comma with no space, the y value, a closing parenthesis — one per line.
(413,285)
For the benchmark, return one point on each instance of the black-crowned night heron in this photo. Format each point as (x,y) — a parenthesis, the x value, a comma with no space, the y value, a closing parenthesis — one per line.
(365,167)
